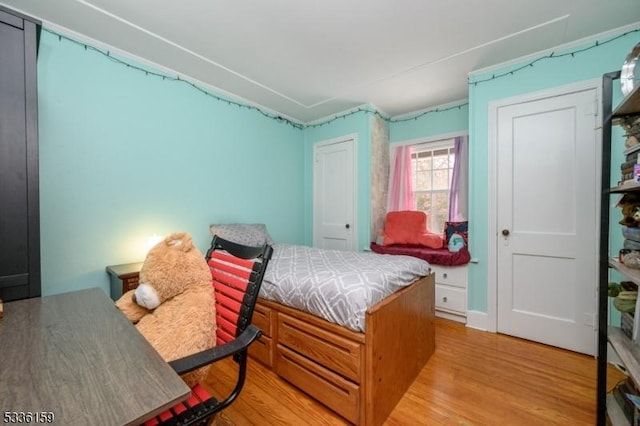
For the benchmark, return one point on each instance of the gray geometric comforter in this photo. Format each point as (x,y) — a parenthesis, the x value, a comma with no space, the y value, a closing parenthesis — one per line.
(338,286)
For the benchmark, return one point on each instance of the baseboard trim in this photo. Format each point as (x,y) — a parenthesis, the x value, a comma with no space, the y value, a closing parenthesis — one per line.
(450,316)
(478,320)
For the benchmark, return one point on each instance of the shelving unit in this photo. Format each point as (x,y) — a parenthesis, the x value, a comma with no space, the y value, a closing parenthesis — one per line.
(627,350)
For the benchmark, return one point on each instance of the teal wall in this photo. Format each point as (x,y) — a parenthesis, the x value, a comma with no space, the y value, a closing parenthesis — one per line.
(545,74)
(358,124)
(431,124)
(423,126)
(124,156)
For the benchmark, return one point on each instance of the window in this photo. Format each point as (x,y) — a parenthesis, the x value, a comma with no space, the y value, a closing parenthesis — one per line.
(432,170)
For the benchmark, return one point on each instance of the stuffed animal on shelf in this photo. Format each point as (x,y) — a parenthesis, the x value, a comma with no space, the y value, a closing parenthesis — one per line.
(174,304)
(630,205)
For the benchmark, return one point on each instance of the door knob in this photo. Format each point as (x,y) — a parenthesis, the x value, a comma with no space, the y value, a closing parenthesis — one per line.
(505,232)
(347,226)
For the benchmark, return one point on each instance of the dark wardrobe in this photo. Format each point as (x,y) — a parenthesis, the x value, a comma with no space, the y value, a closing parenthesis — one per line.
(19,203)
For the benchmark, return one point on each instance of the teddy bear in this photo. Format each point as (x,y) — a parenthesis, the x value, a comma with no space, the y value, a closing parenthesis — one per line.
(174,304)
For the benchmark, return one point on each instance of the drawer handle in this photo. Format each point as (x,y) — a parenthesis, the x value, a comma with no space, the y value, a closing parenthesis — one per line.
(444,275)
(444,299)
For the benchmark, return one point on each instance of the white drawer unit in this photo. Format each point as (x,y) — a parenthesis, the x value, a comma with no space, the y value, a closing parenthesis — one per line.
(451,292)
(451,298)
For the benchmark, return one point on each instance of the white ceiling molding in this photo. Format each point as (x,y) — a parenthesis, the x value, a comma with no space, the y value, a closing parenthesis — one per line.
(309,60)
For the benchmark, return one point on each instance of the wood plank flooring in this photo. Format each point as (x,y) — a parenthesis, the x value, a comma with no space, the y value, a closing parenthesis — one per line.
(474,378)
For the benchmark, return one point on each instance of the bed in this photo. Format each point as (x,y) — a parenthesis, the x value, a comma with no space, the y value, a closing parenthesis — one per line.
(361,368)
(451,276)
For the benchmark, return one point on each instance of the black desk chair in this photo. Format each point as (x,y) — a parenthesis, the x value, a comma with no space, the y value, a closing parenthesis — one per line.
(237,272)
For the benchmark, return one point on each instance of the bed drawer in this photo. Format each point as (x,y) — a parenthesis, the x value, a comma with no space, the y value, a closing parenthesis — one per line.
(262,350)
(451,298)
(451,275)
(341,395)
(337,353)
(262,318)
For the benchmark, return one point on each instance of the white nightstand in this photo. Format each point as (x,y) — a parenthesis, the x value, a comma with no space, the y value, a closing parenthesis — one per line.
(451,292)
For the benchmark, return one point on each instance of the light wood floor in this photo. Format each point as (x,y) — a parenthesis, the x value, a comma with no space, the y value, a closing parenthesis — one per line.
(474,378)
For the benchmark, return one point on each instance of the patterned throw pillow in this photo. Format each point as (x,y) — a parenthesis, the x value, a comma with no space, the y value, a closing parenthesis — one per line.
(460,228)
(250,234)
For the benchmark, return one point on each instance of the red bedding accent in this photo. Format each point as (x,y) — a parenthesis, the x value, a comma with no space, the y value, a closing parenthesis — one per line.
(434,256)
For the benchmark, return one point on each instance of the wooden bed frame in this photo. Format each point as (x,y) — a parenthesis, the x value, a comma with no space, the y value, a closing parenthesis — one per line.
(360,376)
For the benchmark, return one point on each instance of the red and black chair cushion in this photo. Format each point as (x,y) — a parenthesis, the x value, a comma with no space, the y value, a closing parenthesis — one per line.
(237,272)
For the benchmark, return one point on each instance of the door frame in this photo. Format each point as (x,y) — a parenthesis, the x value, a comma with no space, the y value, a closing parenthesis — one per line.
(492,228)
(353,137)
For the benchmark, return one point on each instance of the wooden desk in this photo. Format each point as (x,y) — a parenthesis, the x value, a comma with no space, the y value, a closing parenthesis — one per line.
(76,356)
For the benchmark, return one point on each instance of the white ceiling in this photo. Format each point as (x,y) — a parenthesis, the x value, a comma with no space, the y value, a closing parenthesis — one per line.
(308,59)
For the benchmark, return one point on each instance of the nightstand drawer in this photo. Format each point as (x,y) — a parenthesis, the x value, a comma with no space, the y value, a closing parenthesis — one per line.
(130,283)
(451,275)
(451,298)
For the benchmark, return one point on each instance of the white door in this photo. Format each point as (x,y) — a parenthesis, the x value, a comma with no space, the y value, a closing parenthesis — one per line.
(334,194)
(546,220)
